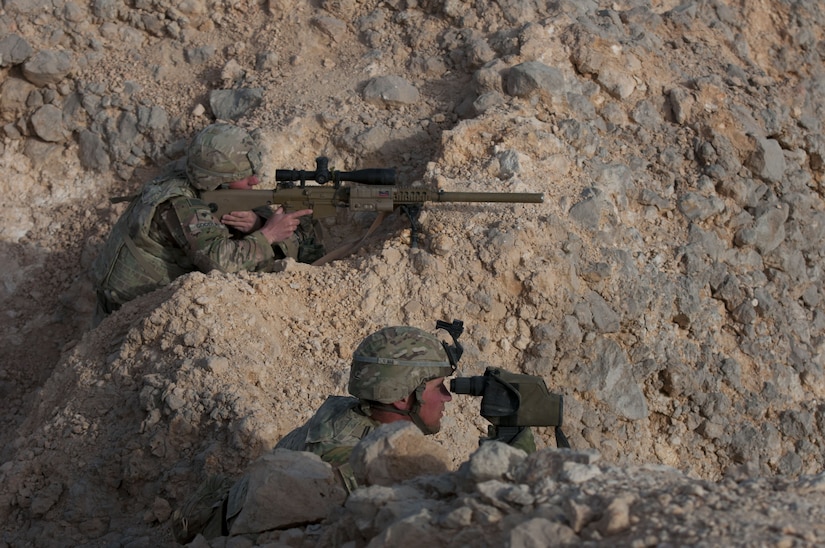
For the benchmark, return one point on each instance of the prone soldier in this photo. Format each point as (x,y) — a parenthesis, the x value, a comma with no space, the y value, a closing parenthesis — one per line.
(168,230)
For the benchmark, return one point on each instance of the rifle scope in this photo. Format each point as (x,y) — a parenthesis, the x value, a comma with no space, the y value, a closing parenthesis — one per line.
(323,175)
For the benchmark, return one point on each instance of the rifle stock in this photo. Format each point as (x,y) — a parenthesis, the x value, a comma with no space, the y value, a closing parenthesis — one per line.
(325,200)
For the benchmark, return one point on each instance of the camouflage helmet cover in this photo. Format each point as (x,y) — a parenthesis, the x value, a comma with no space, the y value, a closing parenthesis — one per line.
(219,154)
(393,362)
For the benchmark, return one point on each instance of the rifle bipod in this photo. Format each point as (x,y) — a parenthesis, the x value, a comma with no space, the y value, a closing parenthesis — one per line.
(413,211)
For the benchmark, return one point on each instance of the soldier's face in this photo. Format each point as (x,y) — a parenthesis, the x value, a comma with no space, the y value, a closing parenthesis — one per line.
(245,184)
(432,403)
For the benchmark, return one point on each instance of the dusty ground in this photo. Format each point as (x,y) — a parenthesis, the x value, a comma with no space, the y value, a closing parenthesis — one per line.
(676,337)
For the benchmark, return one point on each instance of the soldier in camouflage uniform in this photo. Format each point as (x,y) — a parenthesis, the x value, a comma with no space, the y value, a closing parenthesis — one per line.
(397,374)
(168,231)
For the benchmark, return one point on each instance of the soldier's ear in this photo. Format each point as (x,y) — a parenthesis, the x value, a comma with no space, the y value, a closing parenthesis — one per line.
(403,404)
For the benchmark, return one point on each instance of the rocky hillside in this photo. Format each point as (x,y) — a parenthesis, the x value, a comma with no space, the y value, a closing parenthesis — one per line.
(670,285)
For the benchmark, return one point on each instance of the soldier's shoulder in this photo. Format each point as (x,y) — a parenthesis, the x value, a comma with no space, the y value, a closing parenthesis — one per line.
(332,408)
(167,187)
(320,424)
(336,413)
(338,402)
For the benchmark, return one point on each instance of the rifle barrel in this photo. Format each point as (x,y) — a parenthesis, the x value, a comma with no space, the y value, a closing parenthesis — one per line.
(421,195)
(508,197)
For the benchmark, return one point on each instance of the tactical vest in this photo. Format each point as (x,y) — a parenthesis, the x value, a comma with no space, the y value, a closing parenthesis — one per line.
(332,433)
(131,263)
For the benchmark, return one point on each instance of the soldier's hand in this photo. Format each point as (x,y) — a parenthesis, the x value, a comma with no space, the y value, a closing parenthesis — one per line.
(282,225)
(242,221)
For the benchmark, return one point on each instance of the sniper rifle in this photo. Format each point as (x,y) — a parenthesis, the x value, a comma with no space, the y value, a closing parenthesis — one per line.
(370,190)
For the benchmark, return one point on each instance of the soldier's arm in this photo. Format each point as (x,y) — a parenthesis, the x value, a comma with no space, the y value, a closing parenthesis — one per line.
(338,457)
(243,222)
(209,244)
(524,440)
(282,226)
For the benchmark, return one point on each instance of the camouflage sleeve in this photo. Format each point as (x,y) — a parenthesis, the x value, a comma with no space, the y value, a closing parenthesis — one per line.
(514,436)
(337,456)
(334,454)
(209,244)
(525,441)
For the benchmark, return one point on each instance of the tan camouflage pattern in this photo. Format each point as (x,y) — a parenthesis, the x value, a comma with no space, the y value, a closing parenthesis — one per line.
(391,363)
(337,427)
(220,154)
(132,262)
(332,432)
(166,232)
(207,244)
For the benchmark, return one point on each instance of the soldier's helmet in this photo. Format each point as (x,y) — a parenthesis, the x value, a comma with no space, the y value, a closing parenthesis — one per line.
(221,153)
(393,362)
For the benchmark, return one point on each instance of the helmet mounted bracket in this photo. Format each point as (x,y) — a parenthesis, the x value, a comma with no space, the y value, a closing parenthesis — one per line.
(455,350)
